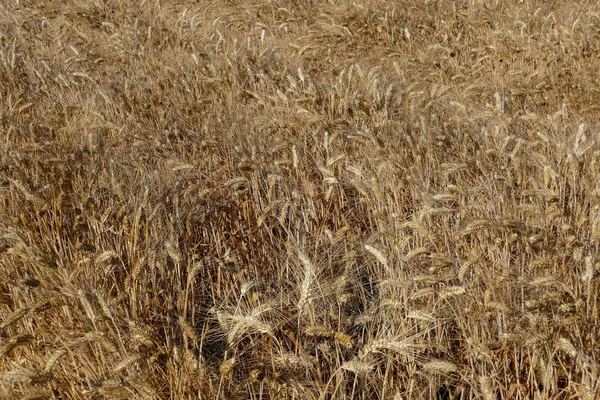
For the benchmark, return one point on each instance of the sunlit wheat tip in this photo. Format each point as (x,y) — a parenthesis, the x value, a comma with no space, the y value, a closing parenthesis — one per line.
(174,252)
(188,329)
(542,280)
(421,316)
(359,367)
(53,359)
(440,366)
(485,386)
(415,253)
(14,317)
(344,339)
(452,291)
(105,256)
(226,367)
(566,346)
(37,396)
(322,331)
(377,254)
(87,306)
(27,376)
(133,358)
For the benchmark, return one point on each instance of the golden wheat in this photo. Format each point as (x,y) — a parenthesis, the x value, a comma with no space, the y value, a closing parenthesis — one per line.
(358,367)
(299,199)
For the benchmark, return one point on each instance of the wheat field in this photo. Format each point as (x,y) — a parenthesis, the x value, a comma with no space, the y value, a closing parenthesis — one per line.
(299,199)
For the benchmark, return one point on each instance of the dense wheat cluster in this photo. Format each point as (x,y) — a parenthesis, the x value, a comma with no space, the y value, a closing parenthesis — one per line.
(299,199)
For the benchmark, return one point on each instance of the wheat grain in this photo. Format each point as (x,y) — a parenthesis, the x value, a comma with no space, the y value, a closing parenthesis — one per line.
(392,304)
(256,375)
(404,347)
(293,362)
(135,273)
(358,367)
(114,389)
(284,212)
(37,396)
(590,269)
(174,252)
(421,315)
(100,337)
(14,341)
(143,388)
(27,376)
(422,293)
(475,226)
(43,305)
(440,367)
(452,291)
(485,386)
(226,368)
(427,279)
(87,306)
(53,359)
(322,331)
(104,305)
(344,339)
(14,317)
(141,335)
(309,272)
(566,346)
(377,254)
(415,253)
(127,361)
(542,280)
(244,324)
(106,256)
(188,330)
(468,265)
